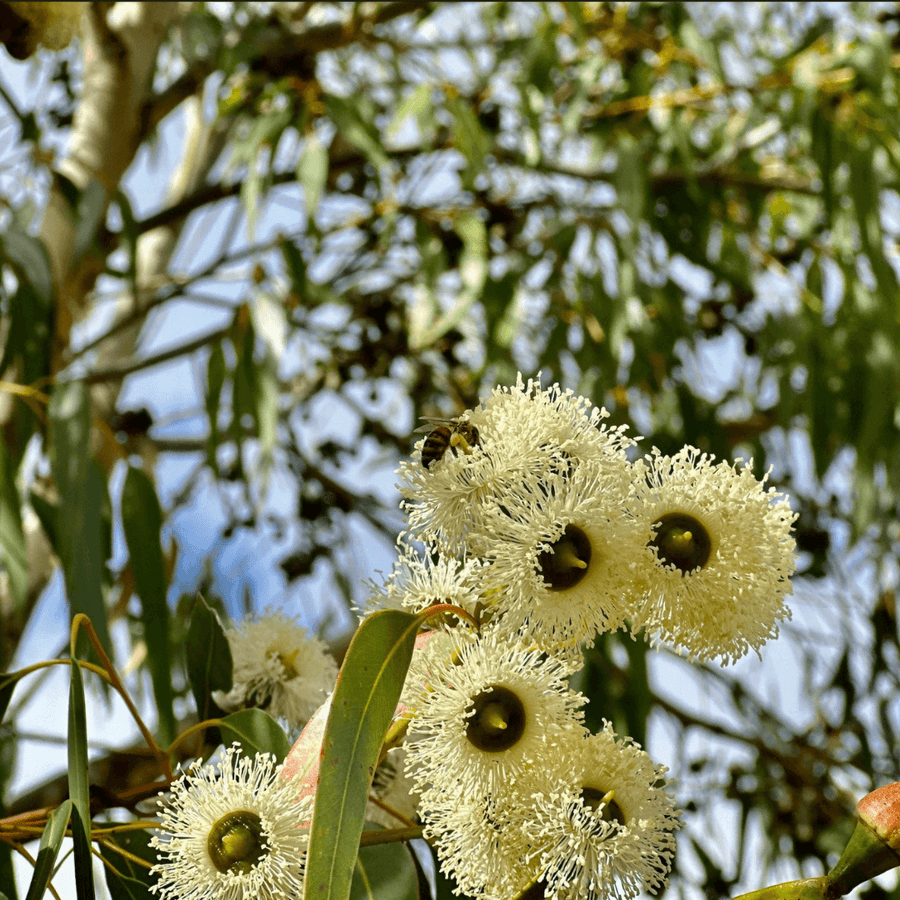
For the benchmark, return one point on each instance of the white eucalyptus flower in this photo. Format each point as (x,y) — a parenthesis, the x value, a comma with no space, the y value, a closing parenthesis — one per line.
(418,582)
(719,555)
(563,563)
(232,831)
(489,716)
(278,667)
(613,835)
(525,436)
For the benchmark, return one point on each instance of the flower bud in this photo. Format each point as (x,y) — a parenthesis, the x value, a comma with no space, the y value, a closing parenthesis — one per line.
(874,846)
(880,810)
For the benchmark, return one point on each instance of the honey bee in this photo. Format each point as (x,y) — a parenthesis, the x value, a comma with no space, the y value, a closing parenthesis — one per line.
(445,434)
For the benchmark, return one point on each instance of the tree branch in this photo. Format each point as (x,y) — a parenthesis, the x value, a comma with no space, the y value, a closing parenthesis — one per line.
(277,50)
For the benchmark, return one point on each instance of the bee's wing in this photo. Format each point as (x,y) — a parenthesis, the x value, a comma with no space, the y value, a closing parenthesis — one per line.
(432,423)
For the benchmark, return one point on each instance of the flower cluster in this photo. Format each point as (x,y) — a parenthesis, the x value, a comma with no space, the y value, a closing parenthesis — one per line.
(537,523)
(543,531)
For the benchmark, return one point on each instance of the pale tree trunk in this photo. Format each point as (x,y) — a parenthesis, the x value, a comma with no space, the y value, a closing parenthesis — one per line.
(120,43)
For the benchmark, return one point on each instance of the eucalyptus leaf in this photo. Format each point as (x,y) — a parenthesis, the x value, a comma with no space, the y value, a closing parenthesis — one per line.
(256,732)
(363,704)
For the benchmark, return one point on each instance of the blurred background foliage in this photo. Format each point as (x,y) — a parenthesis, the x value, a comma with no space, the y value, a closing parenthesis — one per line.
(365,213)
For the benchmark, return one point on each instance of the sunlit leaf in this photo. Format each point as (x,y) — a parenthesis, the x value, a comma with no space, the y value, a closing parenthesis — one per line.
(79,791)
(81,497)
(208,657)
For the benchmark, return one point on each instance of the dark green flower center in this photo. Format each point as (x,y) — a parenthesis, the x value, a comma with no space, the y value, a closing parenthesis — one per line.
(681,541)
(498,720)
(594,798)
(236,842)
(567,560)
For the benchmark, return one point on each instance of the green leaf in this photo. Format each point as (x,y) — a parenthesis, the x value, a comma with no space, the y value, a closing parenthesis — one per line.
(363,704)
(131,234)
(142,523)
(208,657)
(81,497)
(256,732)
(384,872)
(312,172)
(864,189)
(468,136)
(51,840)
(355,124)
(90,214)
(215,379)
(267,392)
(418,104)
(805,889)
(28,256)
(131,881)
(12,538)
(78,787)
(7,686)
(631,180)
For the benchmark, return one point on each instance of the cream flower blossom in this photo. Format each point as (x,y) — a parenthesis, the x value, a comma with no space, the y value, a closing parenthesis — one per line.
(489,715)
(718,557)
(232,831)
(563,563)
(483,845)
(418,582)
(278,667)
(525,435)
(613,835)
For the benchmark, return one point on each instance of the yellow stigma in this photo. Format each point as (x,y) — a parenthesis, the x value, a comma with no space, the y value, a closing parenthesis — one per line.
(567,557)
(492,717)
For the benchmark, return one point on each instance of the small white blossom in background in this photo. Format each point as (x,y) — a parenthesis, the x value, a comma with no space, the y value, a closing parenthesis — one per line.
(392,797)
(278,667)
(721,555)
(232,831)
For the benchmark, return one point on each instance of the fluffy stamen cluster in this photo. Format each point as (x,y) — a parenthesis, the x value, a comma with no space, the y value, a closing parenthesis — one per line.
(232,831)
(278,667)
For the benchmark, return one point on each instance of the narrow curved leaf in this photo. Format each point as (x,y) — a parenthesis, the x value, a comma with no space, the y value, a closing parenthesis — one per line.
(12,538)
(51,840)
(78,786)
(29,256)
(362,707)
(256,732)
(208,657)
(81,498)
(142,521)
